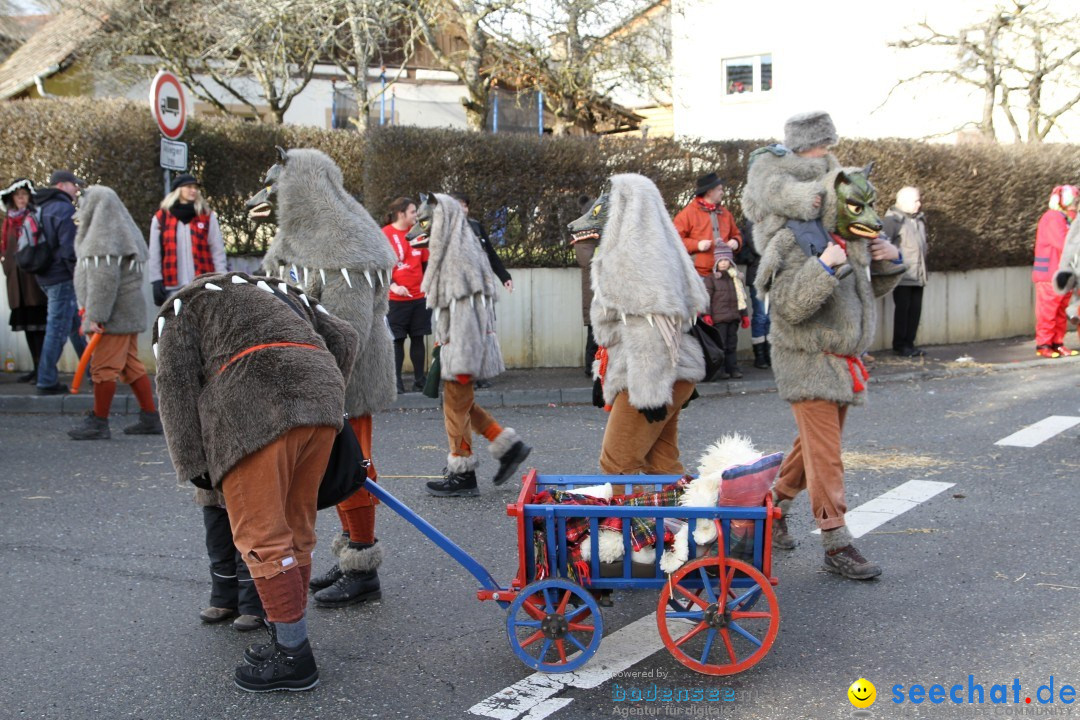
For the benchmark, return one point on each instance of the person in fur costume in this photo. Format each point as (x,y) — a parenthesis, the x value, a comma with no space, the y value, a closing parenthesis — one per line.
(327,243)
(1068,269)
(646,297)
(461,289)
(110,265)
(823,320)
(251,376)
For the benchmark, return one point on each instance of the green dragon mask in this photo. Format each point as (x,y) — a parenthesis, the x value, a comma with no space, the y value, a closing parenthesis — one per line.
(855,197)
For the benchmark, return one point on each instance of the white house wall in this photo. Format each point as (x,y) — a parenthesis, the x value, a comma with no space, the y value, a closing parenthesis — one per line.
(825,56)
(432,104)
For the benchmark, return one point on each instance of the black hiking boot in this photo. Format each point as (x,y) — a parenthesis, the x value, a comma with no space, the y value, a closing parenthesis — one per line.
(149,424)
(327,579)
(510,462)
(92,428)
(350,588)
(760,360)
(461,484)
(258,653)
(285,669)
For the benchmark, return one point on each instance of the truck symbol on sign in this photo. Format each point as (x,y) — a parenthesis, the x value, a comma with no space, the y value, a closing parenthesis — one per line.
(170,105)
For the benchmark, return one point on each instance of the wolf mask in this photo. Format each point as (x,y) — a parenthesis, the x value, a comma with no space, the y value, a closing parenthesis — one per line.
(590,226)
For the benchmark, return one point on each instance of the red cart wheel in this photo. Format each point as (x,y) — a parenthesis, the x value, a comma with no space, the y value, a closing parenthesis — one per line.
(705,609)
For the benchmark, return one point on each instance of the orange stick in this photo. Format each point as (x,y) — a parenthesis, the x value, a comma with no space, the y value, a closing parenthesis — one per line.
(80,373)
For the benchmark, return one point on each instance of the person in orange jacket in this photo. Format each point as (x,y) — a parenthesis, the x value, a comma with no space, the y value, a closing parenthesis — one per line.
(704,222)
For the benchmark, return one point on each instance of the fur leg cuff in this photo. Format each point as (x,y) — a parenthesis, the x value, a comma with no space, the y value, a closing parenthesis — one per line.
(503,442)
(340,543)
(461,463)
(836,539)
(361,560)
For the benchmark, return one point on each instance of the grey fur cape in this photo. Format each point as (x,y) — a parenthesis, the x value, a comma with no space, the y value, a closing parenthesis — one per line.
(329,244)
(646,296)
(110,261)
(461,290)
(216,412)
(815,317)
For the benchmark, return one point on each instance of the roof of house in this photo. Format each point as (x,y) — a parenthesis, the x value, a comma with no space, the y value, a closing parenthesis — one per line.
(51,49)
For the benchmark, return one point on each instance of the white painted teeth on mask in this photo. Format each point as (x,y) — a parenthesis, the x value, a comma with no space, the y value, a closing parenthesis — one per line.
(237,280)
(211,286)
(345,274)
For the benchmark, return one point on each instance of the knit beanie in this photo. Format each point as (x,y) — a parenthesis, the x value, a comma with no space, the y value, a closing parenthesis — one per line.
(809,130)
(723,251)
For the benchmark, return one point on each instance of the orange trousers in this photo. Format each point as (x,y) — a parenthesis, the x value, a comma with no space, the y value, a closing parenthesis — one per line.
(357,512)
(633,445)
(462,417)
(814,463)
(271,496)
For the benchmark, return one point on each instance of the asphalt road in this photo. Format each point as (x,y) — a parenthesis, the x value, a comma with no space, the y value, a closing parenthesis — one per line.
(105,572)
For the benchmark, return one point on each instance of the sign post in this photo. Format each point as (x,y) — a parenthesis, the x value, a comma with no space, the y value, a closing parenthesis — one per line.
(170,112)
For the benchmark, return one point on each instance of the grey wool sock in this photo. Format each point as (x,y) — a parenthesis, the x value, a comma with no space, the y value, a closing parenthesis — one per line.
(837,539)
(291,635)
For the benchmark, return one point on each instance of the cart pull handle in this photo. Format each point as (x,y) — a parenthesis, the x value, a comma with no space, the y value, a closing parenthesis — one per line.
(447,545)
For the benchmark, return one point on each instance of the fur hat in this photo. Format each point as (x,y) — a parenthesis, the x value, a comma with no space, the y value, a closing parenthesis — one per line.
(809,130)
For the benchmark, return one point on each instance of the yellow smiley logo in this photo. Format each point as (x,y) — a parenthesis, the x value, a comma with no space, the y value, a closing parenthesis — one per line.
(862,693)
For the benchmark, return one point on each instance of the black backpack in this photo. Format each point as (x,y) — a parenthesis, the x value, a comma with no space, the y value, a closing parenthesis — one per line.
(34,253)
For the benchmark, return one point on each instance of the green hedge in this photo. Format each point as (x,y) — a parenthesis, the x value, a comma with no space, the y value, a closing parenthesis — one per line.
(982,202)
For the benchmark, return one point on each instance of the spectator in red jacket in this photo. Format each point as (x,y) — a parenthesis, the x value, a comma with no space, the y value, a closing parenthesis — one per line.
(704,223)
(409,316)
(1050,320)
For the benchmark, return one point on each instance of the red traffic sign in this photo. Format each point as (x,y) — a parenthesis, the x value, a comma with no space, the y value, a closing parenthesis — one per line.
(168,105)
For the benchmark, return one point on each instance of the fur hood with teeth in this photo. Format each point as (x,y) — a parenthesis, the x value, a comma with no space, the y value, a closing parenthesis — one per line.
(110,262)
(217,406)
(461,290)
(329,245)
(646,296)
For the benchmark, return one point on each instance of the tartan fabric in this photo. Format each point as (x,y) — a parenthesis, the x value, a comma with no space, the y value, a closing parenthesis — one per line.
(642,530)
(200,246)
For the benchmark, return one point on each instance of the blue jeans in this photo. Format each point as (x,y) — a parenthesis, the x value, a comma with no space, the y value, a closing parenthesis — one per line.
(759,324)
(62,323)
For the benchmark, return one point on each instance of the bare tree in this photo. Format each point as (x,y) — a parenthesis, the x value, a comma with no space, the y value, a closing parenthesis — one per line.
(219,48)
(579,51)
(1013,56)
(469,18)
(368,32)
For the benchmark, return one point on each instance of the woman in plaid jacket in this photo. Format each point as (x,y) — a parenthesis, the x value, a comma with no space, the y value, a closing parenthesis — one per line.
(185,239)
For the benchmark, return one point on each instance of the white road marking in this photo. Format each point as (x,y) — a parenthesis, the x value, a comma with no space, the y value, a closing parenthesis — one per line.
(895,502)
(1040,432)
(535,694)
(548,707)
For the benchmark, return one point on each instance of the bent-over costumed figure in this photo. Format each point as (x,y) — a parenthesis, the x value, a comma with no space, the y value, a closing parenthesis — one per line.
(646,297)
(461,288)
(329,245)
(252,390)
